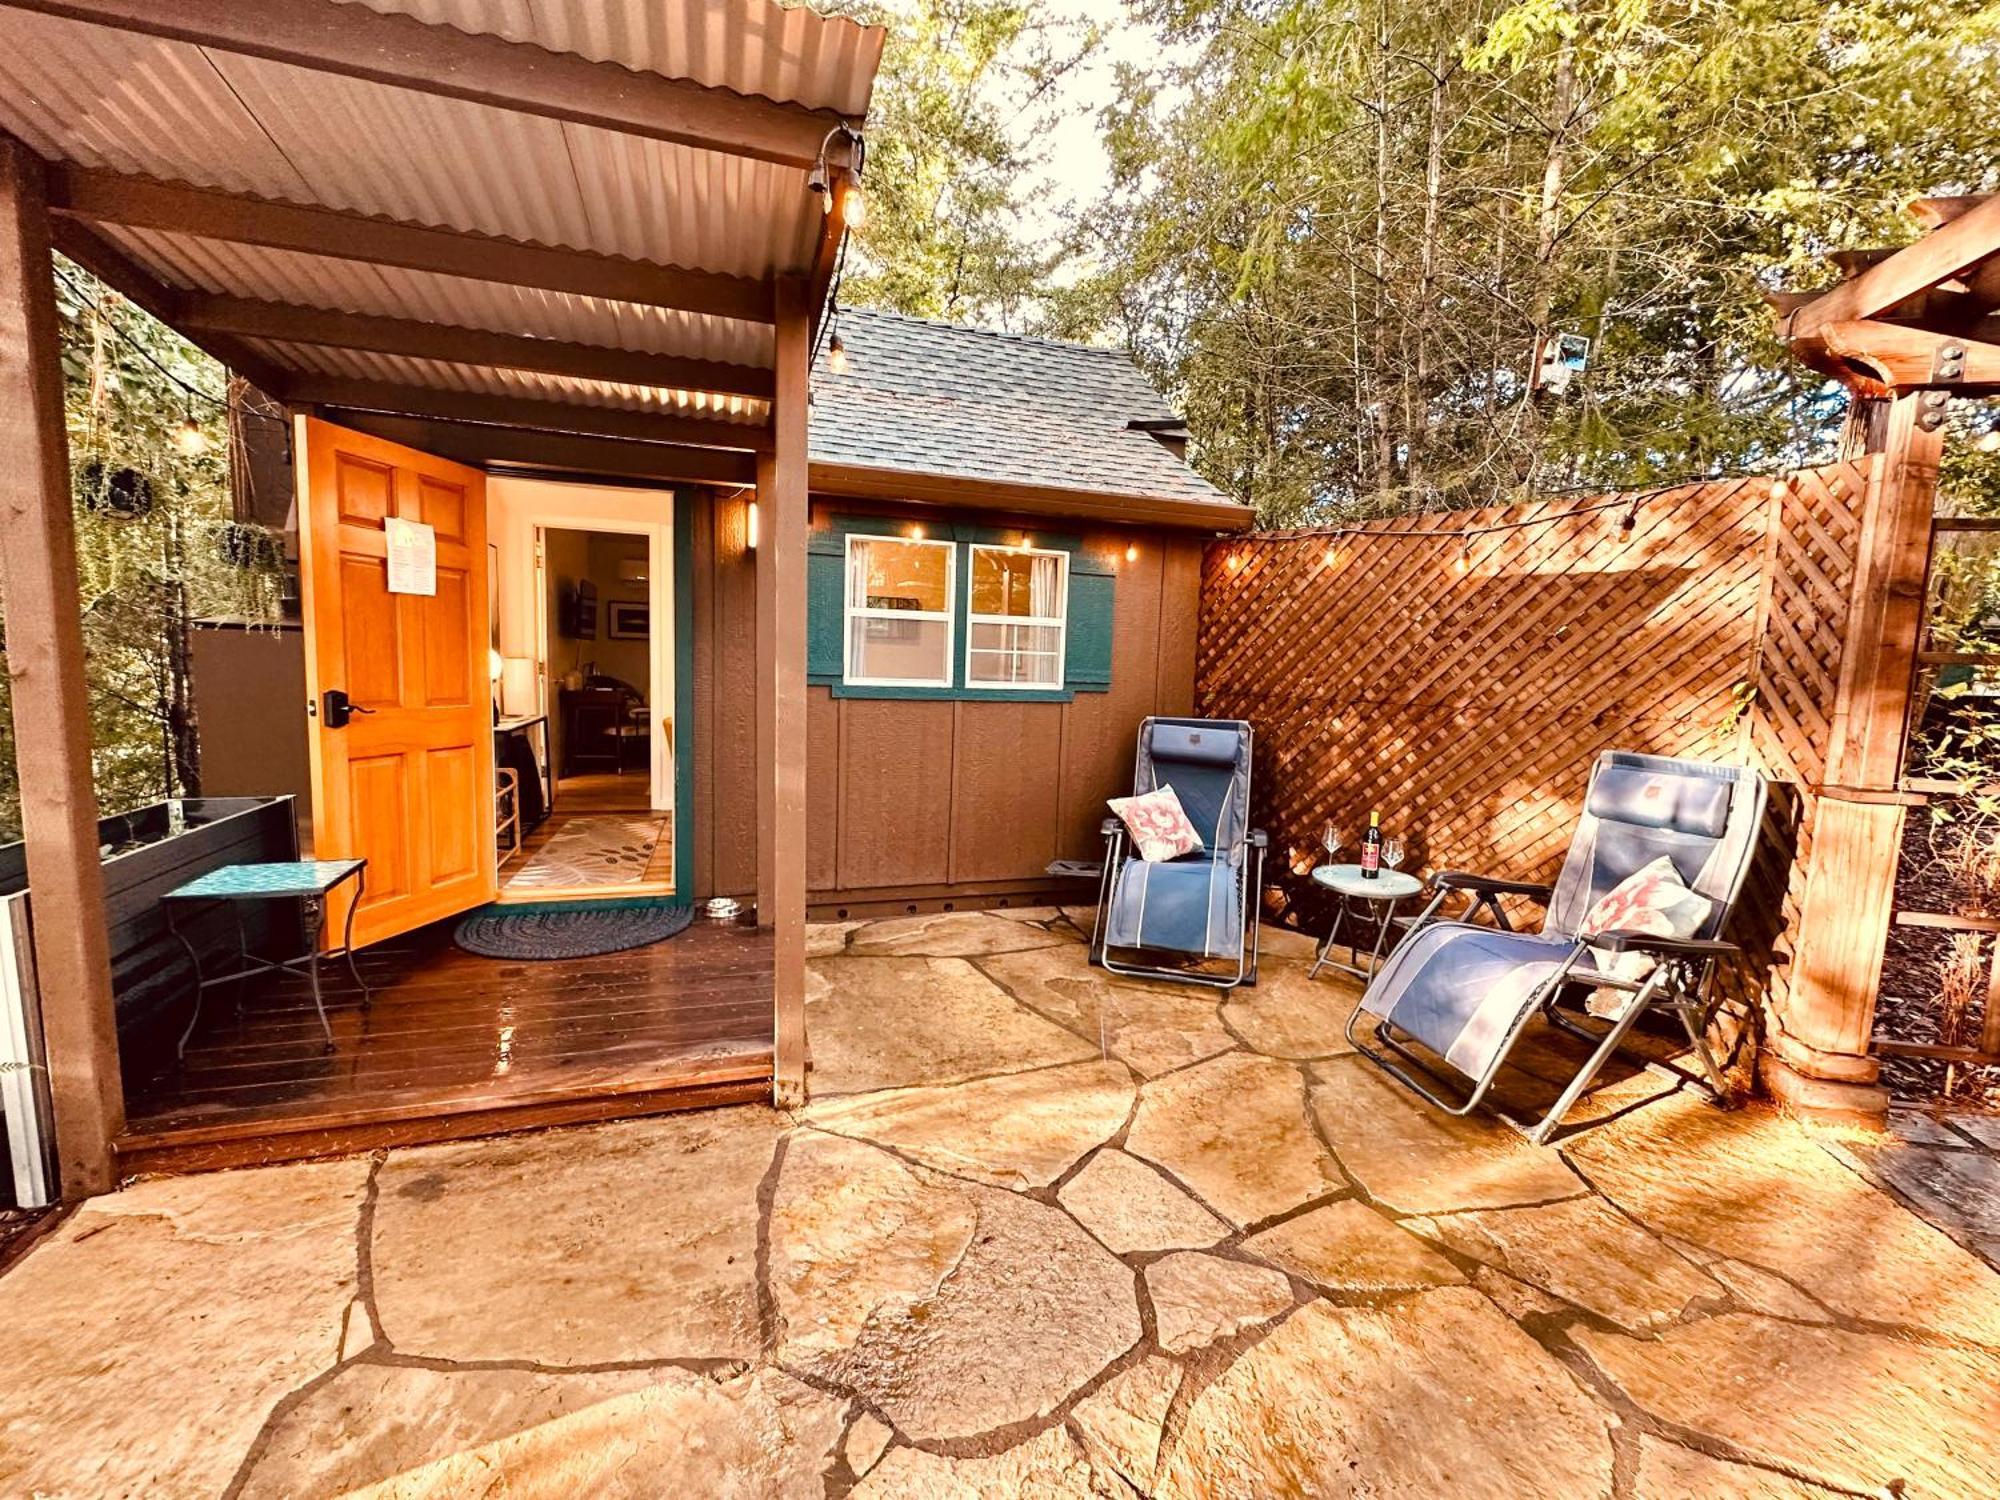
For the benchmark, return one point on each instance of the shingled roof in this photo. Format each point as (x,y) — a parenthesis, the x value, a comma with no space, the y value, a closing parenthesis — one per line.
(948,402)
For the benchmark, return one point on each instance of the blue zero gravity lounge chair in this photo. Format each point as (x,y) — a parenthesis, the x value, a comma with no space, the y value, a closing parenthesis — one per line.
(1466,992)
(1201,906)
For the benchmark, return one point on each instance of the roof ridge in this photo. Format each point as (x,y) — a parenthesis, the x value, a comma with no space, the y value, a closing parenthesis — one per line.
(1044,340)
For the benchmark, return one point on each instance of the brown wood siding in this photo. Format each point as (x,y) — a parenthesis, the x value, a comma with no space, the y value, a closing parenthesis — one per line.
(934,800)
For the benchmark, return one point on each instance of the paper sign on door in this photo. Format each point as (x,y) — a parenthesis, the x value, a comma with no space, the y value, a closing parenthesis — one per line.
(413,556)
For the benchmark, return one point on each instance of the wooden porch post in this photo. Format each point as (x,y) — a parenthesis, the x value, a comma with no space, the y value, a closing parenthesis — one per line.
(1820,1057)
(781,687)
(51,704)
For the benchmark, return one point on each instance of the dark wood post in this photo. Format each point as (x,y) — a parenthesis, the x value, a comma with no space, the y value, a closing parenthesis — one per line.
(1820,1058)
(51,703)
(781,687)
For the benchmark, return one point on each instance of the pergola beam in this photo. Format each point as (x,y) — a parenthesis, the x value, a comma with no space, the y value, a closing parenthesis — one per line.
(98,197)
(1942,254)
(1901,358)
(401,51)
(481,446)
(202,315)
(525,411)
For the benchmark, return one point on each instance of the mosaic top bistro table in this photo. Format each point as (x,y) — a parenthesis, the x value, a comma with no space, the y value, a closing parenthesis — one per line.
(307,881)
(1381,891)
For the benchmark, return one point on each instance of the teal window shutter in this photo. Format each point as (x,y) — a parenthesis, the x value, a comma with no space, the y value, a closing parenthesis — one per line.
(826,583)
(1087,659)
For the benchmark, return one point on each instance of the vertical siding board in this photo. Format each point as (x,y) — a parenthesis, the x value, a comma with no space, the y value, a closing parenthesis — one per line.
(896,766)
(1007,795)
(822,789)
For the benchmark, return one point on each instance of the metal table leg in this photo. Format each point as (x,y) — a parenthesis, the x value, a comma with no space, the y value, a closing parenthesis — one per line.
(316,910)
(194,958)
(1382,929)
(347,936)
(1325,953)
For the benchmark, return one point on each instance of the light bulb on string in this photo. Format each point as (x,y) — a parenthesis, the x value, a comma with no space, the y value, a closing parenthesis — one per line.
(853,205)
(1464,559)
(189,440)
(836,355)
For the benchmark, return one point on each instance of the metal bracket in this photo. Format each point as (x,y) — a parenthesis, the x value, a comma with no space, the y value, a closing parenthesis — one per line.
(1931,417)
(1949,362)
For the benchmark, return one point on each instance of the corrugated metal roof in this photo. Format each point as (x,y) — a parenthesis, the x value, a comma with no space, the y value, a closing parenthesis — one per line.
(391,292)
(938,398)
(396,369)
(789,53)
(177,111)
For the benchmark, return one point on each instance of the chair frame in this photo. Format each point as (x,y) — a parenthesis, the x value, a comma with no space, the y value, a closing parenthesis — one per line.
(1247,856)
(1683,977)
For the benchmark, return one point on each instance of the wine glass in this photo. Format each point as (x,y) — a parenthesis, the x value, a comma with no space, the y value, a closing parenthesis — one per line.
(1392,852)
(1329,837)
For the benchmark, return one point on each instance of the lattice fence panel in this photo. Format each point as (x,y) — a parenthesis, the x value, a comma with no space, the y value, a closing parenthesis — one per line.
(1463,687)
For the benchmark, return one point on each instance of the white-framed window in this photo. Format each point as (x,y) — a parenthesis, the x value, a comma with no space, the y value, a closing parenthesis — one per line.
(898,626)
(1017,625)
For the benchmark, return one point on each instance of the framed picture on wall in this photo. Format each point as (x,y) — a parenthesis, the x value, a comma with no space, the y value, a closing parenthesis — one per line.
(627,620)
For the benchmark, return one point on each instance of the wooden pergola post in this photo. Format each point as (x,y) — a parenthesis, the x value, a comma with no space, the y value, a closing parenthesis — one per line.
(781,687)
(50,699)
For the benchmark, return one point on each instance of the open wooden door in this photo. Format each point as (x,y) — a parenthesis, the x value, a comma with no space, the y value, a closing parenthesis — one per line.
(404,777)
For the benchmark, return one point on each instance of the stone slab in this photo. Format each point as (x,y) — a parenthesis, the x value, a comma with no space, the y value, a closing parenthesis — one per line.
(1131,1208)
(1234,1130)
(628,1242)
(1859,1411)
(886,1023)
(950,934)
(1349,1247)
(952,1308)
(1667,1472)
(1433,1395)
(864,1444)
(1155,1027)
(1045,1467)
(150,1334)
(826,939)
(1120,1423)
(1956,1189)
(379,1430)
(1755,1186)
(1200,1300)
(1418,1159)
(1018,1130)
(1583,1251)
(1288,1015)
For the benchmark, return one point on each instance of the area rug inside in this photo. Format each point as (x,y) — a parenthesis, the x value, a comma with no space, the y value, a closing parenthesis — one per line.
(569,929)
(602,849)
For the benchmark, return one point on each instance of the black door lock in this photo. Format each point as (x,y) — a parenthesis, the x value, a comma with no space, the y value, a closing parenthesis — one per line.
(336,710)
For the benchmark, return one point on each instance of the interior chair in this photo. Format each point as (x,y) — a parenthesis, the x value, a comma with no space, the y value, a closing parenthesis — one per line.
(1155,919)
(1465,992)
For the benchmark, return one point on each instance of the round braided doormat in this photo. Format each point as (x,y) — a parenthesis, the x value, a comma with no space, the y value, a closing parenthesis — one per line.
(570,929)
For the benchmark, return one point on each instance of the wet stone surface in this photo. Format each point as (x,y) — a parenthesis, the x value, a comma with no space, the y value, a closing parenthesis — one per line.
(1039,1233)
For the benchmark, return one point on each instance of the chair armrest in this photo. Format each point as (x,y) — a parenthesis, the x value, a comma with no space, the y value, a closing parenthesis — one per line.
(1618,941)
(1487,885)
(1258,839)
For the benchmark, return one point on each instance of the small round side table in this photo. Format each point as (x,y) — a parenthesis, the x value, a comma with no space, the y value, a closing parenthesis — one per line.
(1381,893)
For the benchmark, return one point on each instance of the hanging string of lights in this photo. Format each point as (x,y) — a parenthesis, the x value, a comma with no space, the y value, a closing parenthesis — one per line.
(845,194)
(1333,536)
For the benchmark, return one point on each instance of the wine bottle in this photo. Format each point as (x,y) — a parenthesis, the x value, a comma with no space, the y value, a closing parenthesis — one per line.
(1371,848)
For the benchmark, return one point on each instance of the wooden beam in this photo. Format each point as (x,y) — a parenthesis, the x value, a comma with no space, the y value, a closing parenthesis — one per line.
(138,286)
(109,198)
(1935,213)
(524,411)
(620,458)
(781,688)
(51,702)
(234,317)
(403,52)
(1901,358)
(1942,254)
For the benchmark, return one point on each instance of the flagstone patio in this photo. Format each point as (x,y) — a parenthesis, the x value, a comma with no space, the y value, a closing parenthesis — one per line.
(1040,1233)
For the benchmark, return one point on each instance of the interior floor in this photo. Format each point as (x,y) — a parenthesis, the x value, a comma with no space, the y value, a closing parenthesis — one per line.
(604,791)
(451,1037)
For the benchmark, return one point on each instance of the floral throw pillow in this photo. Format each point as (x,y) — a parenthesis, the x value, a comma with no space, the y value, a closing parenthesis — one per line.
(1652,899)
(1160,829)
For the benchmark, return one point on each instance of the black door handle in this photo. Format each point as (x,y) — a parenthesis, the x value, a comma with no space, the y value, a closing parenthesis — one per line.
(336,710)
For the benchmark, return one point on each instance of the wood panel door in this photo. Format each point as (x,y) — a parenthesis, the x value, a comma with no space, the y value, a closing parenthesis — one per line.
(407,782)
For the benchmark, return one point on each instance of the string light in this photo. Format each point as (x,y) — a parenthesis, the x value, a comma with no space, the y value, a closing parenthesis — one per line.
(836,355)
(189,440)
(1464,559)
(1132,552)
(853,204)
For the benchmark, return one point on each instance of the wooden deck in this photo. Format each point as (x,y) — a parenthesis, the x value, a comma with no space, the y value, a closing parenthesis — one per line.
(453,1045)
